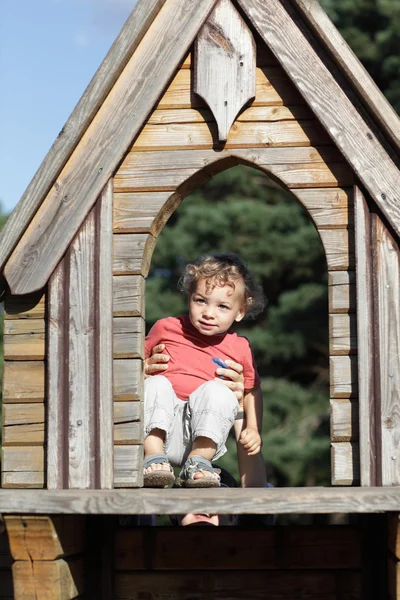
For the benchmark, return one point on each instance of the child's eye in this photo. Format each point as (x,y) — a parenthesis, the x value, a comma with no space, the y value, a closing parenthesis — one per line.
(224,306)
(199,300)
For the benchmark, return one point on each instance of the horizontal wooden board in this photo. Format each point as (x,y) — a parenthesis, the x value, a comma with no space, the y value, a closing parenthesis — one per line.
(345,459)
(29,306)
(344,420)
(128,433)
(343,375)
(128,337)
(339,248)
(128,379)
(342,334)
(22,467)
(249,115)
(199,136)
(126,412)
(24,339)
(273,87)
(132,253)
(127,462)
(48,579)
(342,291)
(136,212)
(128,296)
(23,424)
(329,208)
(23,381)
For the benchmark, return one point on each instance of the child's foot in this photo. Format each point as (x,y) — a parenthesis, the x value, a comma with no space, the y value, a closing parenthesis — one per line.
(198,472)
(157,472)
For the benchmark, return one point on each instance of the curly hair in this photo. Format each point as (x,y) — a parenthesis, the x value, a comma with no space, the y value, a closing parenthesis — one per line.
(221,270)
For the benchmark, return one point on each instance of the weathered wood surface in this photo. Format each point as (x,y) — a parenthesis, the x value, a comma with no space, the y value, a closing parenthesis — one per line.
(331,105)
(329,209)
(177,549)
(342,291)
(365,341)
(24,339)
(48,579)
(23,381)
(368,92)
(45,538)
(129,337)
(128,296)
(342,334)
(344,420)
(31,306)
(202,136)
(343,373)
(22,467)
(107,74)
(220,501)
(128,379)
(128,462)
(386,282)
(137,212)
(225,65)
(273,88)
(132,253)
(345,460)
(117,122)
(23,424)
(339,250)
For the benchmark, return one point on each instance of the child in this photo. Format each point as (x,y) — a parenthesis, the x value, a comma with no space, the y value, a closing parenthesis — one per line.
(189,410)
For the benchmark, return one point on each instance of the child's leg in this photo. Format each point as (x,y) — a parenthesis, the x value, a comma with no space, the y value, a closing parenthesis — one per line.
(159,404)
(212,409)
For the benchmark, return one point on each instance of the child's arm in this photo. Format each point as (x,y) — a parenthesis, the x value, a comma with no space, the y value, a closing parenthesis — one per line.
(251,465)
(253,408)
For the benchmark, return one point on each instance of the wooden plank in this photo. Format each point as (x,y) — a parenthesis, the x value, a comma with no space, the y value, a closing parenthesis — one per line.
(307,500)
(104,340)
(128,470)
(225,65)
(128,379)
(339,248)
(22,467)
(24,339)
(365,341)
(48,580)
(344,420)
(31,306)
(82,351)
(23,424)
(203,136)
(343,372)
(129,337)
(128,433)
(328,208)
(127,412)
(345,463)
(367,90)
(342,291)
(386,283)
(308,72)
(107,74)
(128,296)
(19,414)
(342,334)
(45,538)
(23,381)
(132,253)
(57,384)
(116,123)
(273,88)
(137,212)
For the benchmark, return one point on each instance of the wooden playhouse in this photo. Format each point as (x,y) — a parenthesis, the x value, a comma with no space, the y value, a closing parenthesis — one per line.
(187,90)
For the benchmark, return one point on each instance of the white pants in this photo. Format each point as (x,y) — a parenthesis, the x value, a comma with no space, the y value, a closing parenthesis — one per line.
(209,412)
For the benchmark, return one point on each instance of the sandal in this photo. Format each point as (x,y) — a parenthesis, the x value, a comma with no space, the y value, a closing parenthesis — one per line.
(195,465)
(160,478)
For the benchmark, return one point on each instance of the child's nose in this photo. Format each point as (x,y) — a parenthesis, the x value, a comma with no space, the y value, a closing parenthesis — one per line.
(208,312)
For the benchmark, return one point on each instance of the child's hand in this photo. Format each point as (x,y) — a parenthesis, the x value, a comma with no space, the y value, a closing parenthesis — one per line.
(157,362)
(233,378)
(251,440)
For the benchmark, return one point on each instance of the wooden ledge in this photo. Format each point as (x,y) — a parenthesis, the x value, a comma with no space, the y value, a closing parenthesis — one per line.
(222,501)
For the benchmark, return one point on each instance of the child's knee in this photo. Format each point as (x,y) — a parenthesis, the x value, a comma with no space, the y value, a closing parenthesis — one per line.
(216,395)
(157,384)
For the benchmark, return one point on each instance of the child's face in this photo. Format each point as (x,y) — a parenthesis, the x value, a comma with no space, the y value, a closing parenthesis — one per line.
(213,312)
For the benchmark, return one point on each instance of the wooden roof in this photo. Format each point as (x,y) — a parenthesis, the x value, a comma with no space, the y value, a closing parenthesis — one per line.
(129,83)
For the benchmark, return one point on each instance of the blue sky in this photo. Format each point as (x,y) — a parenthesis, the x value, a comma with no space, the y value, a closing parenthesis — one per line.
(49,51)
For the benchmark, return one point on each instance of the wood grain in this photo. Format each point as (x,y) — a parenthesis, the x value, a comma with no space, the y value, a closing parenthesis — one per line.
(94,95)
(344,420)
(129,337)
(23,381)
(49,580)
(22,467)
(365,341)
(128,466)
(331,105)
(24,339)
(117,122)
(23,424)
(225,65)
(342,291)
(128,296)
(329,208)
(31,306)
(132,253)
(339,249)
(342,334)
(137,212)
(128,379)
(345,463)
(343,373)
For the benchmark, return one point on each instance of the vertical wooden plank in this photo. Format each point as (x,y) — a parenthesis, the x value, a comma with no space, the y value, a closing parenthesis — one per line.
(104,313)
(386,276)
(82,416)
(367,435)
(56,378)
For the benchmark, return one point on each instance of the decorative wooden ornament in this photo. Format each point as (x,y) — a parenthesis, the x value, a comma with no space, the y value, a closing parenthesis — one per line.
(225,65)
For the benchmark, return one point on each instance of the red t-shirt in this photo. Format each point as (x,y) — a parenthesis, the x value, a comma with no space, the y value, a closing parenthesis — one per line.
(190,352)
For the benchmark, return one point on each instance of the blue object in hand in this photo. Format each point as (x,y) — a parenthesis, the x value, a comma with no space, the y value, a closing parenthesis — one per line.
(220,363)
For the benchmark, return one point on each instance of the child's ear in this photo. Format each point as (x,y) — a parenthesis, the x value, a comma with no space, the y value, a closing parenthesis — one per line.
(240,314)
